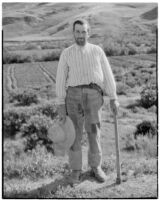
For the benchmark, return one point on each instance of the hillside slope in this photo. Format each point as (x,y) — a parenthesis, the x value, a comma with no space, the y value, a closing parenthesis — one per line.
(28,21)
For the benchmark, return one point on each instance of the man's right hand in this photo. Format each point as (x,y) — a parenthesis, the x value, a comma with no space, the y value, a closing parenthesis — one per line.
(62,113)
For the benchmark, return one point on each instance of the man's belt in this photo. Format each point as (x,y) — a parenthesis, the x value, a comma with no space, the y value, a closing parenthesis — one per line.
(91,86)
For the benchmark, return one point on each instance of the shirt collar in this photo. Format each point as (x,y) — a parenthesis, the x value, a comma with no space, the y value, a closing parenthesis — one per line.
(82,48)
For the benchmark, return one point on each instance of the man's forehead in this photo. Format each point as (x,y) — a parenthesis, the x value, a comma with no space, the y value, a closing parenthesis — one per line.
(81,27)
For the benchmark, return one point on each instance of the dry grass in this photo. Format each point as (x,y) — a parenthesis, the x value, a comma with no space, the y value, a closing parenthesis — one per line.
(32,165)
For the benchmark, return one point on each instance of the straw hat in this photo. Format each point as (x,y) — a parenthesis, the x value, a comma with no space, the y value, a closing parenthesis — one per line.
(62,135)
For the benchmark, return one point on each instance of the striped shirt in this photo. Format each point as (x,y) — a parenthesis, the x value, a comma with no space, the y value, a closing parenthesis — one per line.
(84,65)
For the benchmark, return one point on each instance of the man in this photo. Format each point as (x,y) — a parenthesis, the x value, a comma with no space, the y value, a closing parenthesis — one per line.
(83,74)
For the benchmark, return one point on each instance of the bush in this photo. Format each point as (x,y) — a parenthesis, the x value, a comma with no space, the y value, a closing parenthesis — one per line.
(149,96)
(32,46)
(122,88)
(24,97)
(147,145)
(129,143)
(146,128)
(13,119)
(36,130)
(132,49)
(9,58)
(52,56)
(48,109)
(151,50)
(113,49)
(142,144)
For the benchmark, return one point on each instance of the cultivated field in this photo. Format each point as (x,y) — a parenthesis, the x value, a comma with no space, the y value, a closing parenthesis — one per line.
(37,76)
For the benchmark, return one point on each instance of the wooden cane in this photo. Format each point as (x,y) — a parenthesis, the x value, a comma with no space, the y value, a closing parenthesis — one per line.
(118,179)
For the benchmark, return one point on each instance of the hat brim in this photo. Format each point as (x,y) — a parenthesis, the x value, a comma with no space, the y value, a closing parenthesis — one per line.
(69,131)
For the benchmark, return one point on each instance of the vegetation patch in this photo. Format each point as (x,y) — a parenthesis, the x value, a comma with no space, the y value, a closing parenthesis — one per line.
(35,130)
(24,97)
(149,96)
(33,165)
(146,128)
(15,117)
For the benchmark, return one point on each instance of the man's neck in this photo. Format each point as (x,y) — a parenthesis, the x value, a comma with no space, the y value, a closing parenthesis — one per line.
(81,46)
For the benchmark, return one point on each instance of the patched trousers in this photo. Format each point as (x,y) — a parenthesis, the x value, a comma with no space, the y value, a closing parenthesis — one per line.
(84,108)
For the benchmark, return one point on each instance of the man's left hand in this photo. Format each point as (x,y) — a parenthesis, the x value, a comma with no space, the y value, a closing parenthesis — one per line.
(114,104)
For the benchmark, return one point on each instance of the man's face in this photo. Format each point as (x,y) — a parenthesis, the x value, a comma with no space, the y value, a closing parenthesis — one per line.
(81,34)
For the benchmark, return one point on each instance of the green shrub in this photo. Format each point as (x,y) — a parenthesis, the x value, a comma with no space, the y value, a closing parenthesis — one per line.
(149,96)
(36,130)
(24,97)
(146,128)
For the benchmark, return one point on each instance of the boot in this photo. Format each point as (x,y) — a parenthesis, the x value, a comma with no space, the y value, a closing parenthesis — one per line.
(99,174)
(74,177)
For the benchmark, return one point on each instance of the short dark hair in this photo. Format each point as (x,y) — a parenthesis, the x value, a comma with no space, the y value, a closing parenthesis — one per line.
(81,22)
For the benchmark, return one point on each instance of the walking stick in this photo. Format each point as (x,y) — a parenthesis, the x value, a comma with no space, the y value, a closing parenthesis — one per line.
(118,179)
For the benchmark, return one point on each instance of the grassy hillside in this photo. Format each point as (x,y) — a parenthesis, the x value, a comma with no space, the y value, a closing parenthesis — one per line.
(53,20)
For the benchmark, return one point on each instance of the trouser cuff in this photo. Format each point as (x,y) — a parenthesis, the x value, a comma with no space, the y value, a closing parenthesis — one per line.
(94,160)
(75,160)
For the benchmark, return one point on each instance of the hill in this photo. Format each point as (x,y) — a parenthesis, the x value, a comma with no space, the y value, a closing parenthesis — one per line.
(46,21)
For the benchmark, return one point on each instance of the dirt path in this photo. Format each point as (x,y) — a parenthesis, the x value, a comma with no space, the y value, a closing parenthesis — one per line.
(140,187)
(11,80)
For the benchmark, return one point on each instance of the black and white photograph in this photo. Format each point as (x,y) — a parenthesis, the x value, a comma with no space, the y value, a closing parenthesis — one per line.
(80,100)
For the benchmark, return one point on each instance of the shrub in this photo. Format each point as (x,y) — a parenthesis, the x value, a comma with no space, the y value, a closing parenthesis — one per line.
(36,130)
(149,96)
(9,58)
(129,142)
(147,145)
(24,97)
(48,109)
(52,56)
(113,49)
(142,144)
(152,49)
(132,49)
(146,128)
(122,88)
(32,46)
(13,119)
